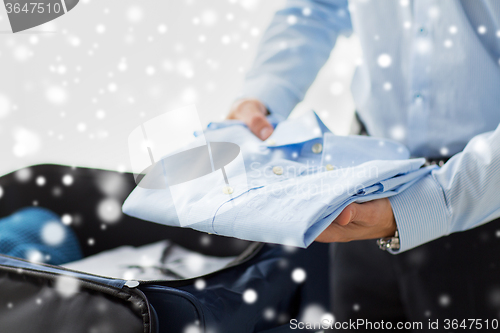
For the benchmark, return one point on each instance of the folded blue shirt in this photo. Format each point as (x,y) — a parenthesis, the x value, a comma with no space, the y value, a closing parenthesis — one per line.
(285,190)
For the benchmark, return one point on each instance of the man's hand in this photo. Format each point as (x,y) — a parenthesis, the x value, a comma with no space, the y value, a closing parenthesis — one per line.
(253,113)
(369,220)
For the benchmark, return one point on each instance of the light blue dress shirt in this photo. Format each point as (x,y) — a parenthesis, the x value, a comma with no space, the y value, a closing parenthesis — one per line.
(429,78)
(290,188)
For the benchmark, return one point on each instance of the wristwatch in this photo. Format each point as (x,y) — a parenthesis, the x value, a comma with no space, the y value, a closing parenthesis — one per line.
(389,243)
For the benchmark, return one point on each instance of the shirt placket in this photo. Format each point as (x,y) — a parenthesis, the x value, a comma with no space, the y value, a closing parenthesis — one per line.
(422,51)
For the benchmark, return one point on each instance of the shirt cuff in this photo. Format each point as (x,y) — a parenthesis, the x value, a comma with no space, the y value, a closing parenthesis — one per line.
(274,93)
(421,213)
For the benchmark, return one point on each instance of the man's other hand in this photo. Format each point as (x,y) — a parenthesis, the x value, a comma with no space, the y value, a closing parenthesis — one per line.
(369,220)
(253,113)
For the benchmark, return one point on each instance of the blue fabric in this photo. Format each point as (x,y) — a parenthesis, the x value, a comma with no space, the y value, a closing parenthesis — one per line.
(429,78)
(291,208)
(36,233)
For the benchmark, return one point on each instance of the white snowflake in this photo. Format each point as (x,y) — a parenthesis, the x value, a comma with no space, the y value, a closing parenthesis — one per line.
(423,45)
(225,39)
(189,95)
(254,32)
(482,29)
(444,300)
(53,234)
(81,127)
(194,263)
(398,132)
(200,284)
(250,4)
(205,240)
(67,180)
(100,28)
(328,318)
(74,41)
(434,12)
(22,53)
(100,114)
(150,70)
(27,142)
(291,19)
(184,68)
(23,175)
(56,95)
(5,106)
(135,14)
(162,28)
(40,180)
(337,88)
(299,275)
(192,329)
(313,314)
(66,219)
(109,210)
(122,65)
(209,18)
(34,256)
(384,60)
(67,286)
(269,314)
(250,296)
(34,40)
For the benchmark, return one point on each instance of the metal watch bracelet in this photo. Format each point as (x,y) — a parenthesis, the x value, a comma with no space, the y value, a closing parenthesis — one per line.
(389,243)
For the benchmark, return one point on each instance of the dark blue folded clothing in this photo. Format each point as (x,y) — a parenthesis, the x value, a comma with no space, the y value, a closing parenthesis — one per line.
(37,234)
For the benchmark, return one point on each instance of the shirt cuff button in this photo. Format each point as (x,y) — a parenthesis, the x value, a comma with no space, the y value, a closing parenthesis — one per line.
(317,148)
(278,170)
(227,190)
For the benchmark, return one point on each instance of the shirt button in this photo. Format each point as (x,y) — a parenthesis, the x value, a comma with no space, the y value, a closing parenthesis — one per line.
(329,167)
(317,148)
(227,190)
(418,98)
(271,142)
(278,170)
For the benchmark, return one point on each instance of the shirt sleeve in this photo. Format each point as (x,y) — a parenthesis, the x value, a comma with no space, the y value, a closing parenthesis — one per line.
(292,51)
(461,195)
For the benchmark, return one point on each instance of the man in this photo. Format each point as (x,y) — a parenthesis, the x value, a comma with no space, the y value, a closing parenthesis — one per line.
(430,78)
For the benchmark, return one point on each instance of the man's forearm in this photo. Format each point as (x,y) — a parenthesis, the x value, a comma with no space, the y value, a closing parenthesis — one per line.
(463,194)
(292,50)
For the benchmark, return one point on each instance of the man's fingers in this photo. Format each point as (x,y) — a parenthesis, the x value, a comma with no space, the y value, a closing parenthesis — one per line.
(253,113)
(347,215)
(258,124)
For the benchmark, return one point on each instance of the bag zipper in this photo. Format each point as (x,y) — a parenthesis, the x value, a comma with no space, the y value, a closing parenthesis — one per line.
(150,324)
